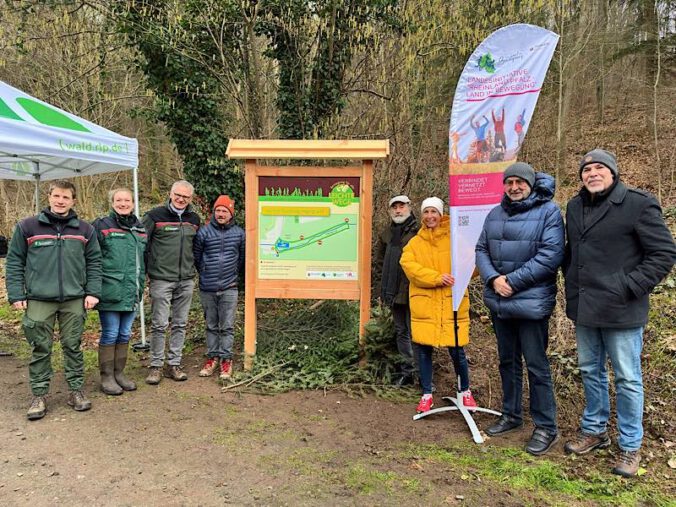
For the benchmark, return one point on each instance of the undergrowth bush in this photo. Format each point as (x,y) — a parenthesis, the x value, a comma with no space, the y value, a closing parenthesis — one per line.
(305,345)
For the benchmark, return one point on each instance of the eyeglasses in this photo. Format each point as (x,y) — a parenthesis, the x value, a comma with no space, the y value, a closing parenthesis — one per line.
(181,196)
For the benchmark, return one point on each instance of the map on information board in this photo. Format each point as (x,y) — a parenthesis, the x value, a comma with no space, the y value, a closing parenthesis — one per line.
(308,228)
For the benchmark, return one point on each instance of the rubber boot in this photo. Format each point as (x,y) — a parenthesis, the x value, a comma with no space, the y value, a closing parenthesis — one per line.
(106,358)
(120,363)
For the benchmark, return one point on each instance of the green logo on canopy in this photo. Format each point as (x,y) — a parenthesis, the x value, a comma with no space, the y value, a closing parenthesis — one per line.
(6,112)
(48,116)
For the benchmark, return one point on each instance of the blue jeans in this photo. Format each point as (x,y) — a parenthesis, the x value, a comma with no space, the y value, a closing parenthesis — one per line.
(623,346)
(219,314)
(519,338)
(425,364)
(115,327)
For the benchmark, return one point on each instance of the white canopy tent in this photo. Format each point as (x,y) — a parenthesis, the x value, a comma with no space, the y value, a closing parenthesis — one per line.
(39,142)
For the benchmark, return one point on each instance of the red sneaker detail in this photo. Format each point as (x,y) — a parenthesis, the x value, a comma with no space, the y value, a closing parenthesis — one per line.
(209,367)
(226,369)
(425,405)
(468,399)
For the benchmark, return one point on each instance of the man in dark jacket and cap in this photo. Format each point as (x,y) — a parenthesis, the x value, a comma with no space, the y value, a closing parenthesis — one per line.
(619,248)
(518,253)
(394,284)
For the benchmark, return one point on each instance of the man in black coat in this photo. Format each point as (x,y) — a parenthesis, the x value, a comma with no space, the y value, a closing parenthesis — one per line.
(394,284)
(619,248)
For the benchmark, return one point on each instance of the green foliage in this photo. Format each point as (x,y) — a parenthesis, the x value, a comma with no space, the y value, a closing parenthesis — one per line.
(304,346)
(186,90)
(313,43)
(381,351)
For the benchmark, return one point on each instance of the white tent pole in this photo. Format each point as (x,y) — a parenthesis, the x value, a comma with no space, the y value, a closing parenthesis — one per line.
(142,311)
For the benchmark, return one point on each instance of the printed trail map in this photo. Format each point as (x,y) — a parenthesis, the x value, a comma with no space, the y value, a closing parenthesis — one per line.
(308,228)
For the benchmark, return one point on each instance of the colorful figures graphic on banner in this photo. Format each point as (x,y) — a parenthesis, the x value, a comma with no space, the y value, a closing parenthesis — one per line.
(500,142)
(455,138)
(482,151)
(519,128)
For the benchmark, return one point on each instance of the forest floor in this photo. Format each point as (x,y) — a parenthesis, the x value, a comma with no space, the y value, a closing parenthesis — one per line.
(188,443)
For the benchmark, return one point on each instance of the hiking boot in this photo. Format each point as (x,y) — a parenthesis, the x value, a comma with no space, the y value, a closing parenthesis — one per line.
(425,405)
(209,367)
(106,369)
(468,399)
(155,376)
(504,425)
(175,372)
(541,441)
(583,443)
(79,401)
(226,369)
(627,463)
(38,408)
(121,352)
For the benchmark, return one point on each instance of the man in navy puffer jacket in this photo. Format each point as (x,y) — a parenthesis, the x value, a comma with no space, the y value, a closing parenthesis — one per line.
(518,253)
(219,258)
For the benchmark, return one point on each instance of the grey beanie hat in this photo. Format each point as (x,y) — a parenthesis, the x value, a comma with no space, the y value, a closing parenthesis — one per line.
(520,170)
(601,157)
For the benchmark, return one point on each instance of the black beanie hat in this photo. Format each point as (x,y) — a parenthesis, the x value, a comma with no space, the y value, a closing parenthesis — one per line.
(520,170)
(600,156)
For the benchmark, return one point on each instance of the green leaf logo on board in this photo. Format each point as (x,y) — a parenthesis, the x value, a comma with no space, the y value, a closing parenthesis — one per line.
(487,63)
(341,194)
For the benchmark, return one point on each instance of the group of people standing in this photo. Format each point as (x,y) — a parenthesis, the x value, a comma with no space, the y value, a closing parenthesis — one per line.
(58,266)
(613,250)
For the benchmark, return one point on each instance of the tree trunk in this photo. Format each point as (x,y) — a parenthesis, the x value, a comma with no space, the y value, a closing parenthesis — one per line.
(602,23)
(649,28)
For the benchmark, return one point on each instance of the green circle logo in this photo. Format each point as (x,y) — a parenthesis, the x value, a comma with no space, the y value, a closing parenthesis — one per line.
(341,194)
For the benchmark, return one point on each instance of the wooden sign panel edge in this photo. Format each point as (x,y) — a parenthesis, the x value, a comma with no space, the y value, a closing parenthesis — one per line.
(360,290)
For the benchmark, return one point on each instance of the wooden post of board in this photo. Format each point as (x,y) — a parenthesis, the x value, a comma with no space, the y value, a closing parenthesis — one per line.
(250,268)
(365,255)
(339,198)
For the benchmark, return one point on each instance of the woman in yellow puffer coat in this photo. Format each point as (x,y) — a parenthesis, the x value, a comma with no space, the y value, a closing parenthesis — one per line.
(426,260)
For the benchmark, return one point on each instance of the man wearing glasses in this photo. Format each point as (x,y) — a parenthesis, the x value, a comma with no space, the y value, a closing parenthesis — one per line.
(170,266)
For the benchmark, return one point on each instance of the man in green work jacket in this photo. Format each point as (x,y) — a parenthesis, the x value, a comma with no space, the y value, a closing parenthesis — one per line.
(171,229)
(54,272)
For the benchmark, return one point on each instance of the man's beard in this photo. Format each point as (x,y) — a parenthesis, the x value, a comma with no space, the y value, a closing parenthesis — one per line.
(401,219)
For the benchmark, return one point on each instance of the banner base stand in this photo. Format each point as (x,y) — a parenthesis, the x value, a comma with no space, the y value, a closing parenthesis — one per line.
(140,346)
(466,414)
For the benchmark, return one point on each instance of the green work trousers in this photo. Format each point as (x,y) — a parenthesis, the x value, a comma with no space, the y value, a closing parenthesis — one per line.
(38,326)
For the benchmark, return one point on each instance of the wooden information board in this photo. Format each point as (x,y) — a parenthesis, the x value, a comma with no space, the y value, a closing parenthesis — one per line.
(308,229)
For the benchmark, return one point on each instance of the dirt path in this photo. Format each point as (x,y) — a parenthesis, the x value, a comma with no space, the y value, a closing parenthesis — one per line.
(189,444)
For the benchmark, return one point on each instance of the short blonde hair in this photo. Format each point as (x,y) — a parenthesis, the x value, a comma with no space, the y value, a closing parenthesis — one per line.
(113,192)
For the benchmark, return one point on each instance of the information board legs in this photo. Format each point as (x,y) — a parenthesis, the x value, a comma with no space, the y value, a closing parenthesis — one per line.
(249,328)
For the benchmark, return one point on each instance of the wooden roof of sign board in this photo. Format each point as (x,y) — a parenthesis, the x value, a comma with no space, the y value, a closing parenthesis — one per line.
(307,149)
